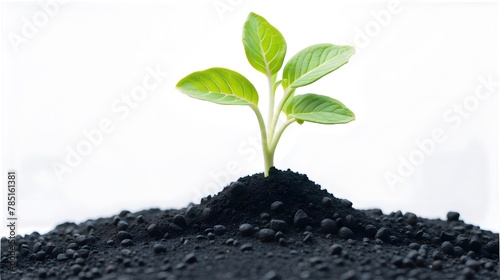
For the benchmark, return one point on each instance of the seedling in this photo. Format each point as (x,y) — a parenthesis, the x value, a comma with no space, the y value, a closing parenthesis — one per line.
(265,49)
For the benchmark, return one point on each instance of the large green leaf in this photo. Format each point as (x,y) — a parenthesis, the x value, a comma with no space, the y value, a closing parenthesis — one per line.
(314,62)
(219,85)
(265,47)
(317,109)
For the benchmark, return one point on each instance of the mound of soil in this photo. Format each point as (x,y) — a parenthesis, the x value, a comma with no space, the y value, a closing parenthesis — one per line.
(280,227)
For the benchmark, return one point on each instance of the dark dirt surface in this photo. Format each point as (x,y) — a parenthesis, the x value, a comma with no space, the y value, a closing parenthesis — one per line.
(280,227)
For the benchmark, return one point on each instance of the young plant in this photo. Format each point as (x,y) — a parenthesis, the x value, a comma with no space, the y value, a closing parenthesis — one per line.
(265,49)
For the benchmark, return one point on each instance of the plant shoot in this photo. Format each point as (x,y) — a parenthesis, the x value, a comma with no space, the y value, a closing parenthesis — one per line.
(265,49)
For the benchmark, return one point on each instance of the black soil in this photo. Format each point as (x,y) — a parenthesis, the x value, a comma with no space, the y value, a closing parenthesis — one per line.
(280,227)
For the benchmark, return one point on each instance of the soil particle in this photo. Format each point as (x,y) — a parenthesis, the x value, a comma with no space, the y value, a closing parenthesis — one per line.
(210,236)
(414,246)
(445,236)
(383,234)
(190,258)
(179,220)
(121,235)
(37,247)
(345,233)
(76,268)
(475,245)
(62,257)
(277,207)
(462,241)
(335,249)
(266,235)
(246,247)
(40,256)
(140,219)
(127,242)
(346,203)
(411,218)
(122,225)
(452,216)
(42,273)
(72,246)
(447,247)
(370,230)
(272,275)
(349,275)
(278,225)
(327,202)
(301,219)
(153,230)
(219,229)
(492,247)
(458,251)
(329,226)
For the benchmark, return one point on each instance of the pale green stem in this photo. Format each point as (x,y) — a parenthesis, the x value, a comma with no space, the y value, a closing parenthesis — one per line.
(274,144)
(272,128)
(268,157)
(272,96)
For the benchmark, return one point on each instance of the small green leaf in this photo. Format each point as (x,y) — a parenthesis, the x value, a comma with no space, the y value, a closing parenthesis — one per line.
(219,85)
(314,62)
(317,109)
(265,47)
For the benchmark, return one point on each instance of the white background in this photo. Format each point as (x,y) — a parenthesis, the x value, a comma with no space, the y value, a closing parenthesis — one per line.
(415,63)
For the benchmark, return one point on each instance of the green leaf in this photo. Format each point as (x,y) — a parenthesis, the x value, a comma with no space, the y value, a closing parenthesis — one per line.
(265,47)
(317,109)
(219,85)
(314,62)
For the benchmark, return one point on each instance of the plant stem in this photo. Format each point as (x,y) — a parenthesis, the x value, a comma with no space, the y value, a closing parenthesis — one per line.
(268,156)
(268,138)
(272,96)
(272,128)
(274,144)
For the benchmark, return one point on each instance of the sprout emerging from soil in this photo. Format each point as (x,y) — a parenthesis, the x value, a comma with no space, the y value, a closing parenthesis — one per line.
(265,49)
